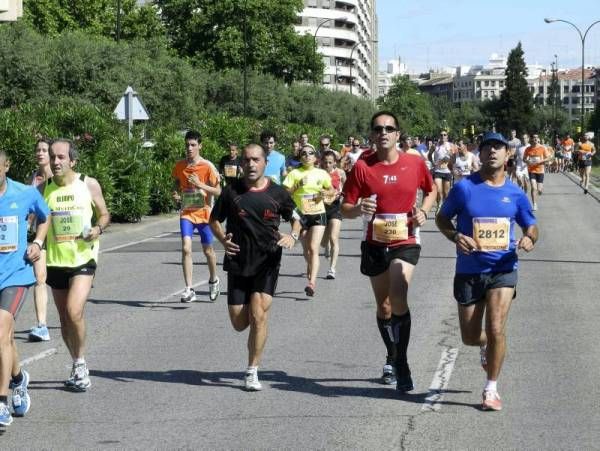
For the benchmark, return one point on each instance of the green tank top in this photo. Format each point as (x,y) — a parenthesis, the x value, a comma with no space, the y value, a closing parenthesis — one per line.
(71,212)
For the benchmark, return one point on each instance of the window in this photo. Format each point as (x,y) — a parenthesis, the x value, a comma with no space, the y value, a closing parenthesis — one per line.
(479,84)
(565,89)
(565,100)
(487,83)
(575,88)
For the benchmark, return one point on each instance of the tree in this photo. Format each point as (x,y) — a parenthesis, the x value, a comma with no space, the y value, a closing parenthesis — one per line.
(252,34)
(97,17)
(554,89)
(413,108)
(516,102)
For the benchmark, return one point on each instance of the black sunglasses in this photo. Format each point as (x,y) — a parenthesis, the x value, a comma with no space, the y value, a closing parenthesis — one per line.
(386,128)
(306,154)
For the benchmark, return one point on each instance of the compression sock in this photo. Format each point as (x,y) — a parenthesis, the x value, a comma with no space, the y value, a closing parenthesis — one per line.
(385,329)
(401,328)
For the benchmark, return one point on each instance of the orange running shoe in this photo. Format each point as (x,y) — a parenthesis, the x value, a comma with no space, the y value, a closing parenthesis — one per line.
(491,401)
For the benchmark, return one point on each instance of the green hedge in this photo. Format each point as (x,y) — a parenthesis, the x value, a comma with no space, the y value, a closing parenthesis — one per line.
(136,180)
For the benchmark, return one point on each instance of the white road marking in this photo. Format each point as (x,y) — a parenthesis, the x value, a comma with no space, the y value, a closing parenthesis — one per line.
(131,243)
(40,356)
(440,381)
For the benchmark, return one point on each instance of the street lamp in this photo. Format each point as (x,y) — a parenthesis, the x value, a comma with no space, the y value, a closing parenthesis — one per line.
(362,41)
(582,36)
(337,19)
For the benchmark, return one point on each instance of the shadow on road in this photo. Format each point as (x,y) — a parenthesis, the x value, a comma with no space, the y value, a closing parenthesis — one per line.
(278,380)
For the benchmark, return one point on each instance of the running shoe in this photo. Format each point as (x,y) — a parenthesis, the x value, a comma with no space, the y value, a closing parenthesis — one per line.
(534,206)
(310,289)
(5,417)
(189,295)
(20,397)
(214,289)
(331,274)
(389,375)
(80,378)
(39,333)
(483,356)
(491,400)
(404,383)
(251,382)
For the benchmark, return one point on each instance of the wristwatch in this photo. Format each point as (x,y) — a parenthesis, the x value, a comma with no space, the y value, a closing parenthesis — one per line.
(294,236)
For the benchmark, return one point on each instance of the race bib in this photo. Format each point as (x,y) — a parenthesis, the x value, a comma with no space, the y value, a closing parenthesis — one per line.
(67,225)
(329,198)
(491,234)
(230,170)
(534,160)
(192,199)
(312,204)
(9,233)
(388,228)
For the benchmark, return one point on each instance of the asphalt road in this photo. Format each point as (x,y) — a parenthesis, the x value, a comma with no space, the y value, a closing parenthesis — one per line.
(168,375)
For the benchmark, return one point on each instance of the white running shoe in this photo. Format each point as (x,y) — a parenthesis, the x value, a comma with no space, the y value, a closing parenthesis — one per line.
(534,206)
(214,289)
(189,295)
(331,274)
(251,381)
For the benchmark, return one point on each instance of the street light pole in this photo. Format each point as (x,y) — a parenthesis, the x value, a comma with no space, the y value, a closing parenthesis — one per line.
(362,41)
(582,36)
(245,73)
(337,19)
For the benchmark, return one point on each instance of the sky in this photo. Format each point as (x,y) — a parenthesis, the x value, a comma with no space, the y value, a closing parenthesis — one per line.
(440,33)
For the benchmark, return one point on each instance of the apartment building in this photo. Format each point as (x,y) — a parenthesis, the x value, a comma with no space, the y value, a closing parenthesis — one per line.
(345,33)
(569,82)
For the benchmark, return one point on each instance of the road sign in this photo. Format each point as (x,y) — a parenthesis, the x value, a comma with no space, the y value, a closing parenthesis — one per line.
(10,10)
(130,108)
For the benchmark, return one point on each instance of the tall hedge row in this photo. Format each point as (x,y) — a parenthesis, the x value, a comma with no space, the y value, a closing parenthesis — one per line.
(68,86)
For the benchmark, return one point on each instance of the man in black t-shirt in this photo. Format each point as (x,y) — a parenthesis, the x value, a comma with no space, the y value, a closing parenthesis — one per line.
(253,208)
(229,165)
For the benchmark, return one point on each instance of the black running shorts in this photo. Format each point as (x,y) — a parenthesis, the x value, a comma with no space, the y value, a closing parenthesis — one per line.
(59,278)
(12,299)
(375,260)
(239,288)
(472,288)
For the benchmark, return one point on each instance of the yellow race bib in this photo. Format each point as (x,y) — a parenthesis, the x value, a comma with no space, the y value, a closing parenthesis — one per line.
(491,234)
(230,170)
(192,199)
(67,225)
(388,228)
(312,204)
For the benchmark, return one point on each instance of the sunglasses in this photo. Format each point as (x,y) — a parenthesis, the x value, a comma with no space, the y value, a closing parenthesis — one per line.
(384,128)
(306,154)
(443,134)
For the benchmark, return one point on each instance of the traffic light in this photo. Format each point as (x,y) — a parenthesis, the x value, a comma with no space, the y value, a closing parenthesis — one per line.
(579,129)
(10,10)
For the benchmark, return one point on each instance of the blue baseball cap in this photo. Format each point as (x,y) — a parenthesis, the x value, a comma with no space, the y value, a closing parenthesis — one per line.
(493,136)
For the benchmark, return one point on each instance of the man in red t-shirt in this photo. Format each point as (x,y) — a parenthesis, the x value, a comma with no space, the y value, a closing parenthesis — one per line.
(387,181)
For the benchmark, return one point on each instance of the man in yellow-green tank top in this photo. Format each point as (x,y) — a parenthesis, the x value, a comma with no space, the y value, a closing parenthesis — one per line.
(72,246)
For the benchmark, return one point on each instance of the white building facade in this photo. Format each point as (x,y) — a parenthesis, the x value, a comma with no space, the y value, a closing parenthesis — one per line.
(345,33)
(569,82)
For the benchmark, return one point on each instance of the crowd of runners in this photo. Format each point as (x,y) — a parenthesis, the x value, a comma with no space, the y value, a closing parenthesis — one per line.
(478,191)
